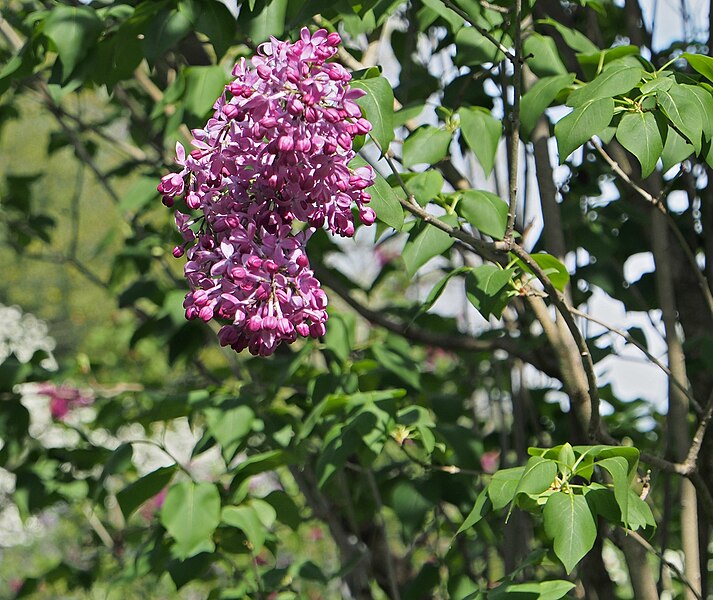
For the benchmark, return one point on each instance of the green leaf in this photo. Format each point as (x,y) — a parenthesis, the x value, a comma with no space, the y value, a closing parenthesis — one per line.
(502,486)
(543,57)
(384,201)
(451,17)
(473,48)
(378,108)
(675,150)
(682,107)
(704,101)
(482,134)
(657,83)
(566,459)
(428,243)
(270,20)
(488,290)
(482,507)
(538,476)
(702,64)
(401,366)
(614,81)
(539,97)
(426,145)
(144,488)
(340,335)
(639,133)
(569,522)
(542,590)
(438,289)
(584,122)
(425,186)
(230,427)
(617,467)
(203,86)
(141,193)
(73,30)
(258,463)
(254,520)
(573,38)
(639,513)
(485,211)
(167,28)
(218,24)
(191,513)
(552,266)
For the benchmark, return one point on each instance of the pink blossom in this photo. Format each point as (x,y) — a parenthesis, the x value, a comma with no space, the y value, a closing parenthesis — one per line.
(277,149)
(63,399)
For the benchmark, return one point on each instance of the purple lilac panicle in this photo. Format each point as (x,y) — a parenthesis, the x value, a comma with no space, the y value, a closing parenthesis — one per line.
(276,149)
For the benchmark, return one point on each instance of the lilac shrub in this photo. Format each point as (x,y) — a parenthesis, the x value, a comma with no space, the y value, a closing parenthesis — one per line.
(277,149)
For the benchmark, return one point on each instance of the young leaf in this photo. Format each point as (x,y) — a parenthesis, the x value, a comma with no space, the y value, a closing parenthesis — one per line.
(426,145)
(584,122)
(612,82)
(73,31)
(538,476)
(553,268)
(617,467)
(501,488)
(639,133)
(539,97)
(486,287)
(378,108)
(191,513)
(569,522)
(428,243)
(438,289)
(485,211)
(425,186)
(482,507)
(639,515)
(482,134)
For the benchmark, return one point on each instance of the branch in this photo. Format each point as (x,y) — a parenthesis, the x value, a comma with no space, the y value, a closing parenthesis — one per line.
(585,355)
(448,341)
(513,159)
(492,251)
(649,548)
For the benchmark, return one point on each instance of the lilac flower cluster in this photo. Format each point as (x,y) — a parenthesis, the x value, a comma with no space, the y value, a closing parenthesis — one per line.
(277,149)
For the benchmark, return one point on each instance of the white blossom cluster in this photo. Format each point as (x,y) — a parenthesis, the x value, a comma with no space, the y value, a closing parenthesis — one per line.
(23,334)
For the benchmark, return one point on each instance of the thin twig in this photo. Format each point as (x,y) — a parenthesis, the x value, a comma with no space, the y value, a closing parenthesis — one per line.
(484,32)
(691,462)
(658,203)
(631,340)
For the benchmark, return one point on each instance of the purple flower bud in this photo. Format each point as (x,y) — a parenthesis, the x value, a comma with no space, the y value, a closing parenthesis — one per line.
(178,252)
